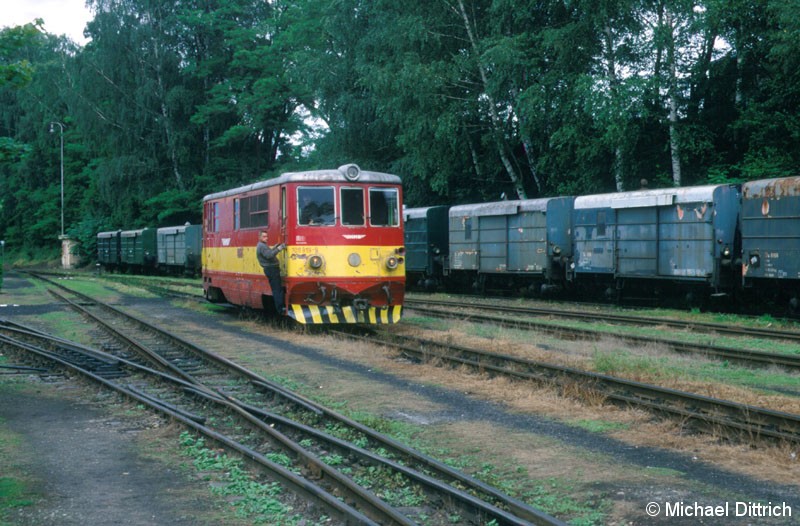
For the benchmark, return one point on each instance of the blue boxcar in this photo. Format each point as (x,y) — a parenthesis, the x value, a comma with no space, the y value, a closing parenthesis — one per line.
(138,251)
(524,243)
(770,225)
(426,244)
(108,249)
(686,235)
(180,248)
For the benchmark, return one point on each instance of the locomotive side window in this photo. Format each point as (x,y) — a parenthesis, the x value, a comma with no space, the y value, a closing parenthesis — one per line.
(601,223)
(213,217)
(254,211)
(383,207)
(352,203)
(237,209)
(283,206)
(315,205)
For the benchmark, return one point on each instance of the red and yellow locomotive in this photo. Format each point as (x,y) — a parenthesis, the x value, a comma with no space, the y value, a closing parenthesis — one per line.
(343,231)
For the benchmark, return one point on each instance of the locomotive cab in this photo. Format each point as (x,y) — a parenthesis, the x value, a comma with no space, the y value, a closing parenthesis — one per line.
(344,260)
(345,256)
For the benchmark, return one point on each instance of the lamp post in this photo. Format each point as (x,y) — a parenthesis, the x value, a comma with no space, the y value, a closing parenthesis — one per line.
(61,130)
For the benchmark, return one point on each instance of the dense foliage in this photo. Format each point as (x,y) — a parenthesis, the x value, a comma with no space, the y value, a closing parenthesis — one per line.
(465,99)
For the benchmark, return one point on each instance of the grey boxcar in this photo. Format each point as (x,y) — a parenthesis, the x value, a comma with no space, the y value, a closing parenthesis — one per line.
(426,244)
(525,242)
(686,235)
(770,225)
(180,248)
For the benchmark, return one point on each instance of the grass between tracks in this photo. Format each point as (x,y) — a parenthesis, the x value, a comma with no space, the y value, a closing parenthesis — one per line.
(769,387)
(557,495)
(652,363)
(256,501)
(562,485)
(16,487)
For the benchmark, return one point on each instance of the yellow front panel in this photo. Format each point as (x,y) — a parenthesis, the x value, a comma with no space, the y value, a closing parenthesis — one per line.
(294,261)
(366,261)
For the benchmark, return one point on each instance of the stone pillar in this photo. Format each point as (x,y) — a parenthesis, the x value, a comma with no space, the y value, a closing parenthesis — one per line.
(69,257)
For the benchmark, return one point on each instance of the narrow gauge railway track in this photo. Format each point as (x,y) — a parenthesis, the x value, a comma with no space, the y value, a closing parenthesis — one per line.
(162,287)
(442,486)
(140,385)
(791,361)
(720,417)
(696,326)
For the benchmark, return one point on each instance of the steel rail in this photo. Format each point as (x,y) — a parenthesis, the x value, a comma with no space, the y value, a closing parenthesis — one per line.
(271,424)
(520,513)
(366,499)
(300,485)
(791,361)
(696,326)
(711,412)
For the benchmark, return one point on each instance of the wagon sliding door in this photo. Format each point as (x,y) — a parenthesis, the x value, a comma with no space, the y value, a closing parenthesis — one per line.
(686,233)
(594,239)
(637,240)
(771,229)
(527,241)
(463,240)
(494,243)
(416,241)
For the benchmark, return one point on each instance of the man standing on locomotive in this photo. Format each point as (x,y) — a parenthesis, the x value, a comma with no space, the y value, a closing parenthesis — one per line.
(267,258)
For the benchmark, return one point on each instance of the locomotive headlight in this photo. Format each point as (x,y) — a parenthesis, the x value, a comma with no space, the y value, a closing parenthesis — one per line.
(392,262)
(557,250)
(350,171)
(316,261)
(354,259)
(726,252)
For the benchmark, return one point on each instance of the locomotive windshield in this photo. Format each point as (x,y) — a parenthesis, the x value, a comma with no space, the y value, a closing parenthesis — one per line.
(384,207)
(352,206)
(315,205)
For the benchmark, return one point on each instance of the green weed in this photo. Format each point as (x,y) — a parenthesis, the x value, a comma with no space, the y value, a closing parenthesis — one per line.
(255,501)
(599,426)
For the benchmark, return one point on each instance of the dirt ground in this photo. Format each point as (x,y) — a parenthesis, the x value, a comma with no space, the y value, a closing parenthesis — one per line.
(86,465)
(83,458)
(589,477)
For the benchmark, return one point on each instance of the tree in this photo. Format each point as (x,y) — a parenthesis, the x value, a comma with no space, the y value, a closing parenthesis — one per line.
(16,71)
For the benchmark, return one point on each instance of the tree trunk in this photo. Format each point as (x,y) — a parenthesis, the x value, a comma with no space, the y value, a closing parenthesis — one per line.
(613,82)
(167,121)
(527,146)
(496,123)
(673,107)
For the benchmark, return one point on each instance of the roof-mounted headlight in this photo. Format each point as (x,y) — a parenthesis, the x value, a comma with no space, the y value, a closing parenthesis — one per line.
(350,171)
